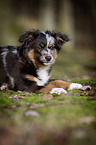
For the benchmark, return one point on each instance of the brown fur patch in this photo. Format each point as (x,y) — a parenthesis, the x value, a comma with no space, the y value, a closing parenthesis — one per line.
(55,84)
(50,45)
(42,45)
(31,55)
(55,54)
(39,64)
(29,77)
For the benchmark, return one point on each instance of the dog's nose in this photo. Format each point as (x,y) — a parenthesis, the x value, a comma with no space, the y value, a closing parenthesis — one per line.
(48,58)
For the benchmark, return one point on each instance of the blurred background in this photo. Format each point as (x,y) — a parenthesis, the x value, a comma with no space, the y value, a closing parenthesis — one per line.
(76,18)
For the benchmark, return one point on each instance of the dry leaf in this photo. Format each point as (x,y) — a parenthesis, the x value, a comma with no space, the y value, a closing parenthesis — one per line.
(4,87)
(48,97)
(87,119)
(86,88)
(32,113)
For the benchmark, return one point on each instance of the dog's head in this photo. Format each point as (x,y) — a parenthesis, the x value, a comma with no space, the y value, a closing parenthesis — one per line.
(42,47)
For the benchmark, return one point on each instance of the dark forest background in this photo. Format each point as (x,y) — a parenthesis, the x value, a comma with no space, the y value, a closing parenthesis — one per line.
(77,18)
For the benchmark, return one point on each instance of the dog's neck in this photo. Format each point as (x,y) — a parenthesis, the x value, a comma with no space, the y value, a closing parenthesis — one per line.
(43,76)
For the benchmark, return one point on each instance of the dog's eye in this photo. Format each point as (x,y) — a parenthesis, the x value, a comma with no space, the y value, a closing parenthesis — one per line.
(42,45)
(50,45)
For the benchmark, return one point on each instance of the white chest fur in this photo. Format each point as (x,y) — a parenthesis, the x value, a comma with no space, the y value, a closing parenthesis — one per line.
(43,76)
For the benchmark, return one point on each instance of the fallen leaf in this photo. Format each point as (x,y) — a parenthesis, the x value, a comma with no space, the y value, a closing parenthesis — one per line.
(18,97)
(35,106)
(13,106)
(4,87)
(92,98)
(10,97)
(32,113)
(20,91)
(48,97)
(86,88)
(15,97)
(21,97)
(87,119)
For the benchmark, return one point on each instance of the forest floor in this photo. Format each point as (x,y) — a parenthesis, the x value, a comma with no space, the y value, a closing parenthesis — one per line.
(44,119)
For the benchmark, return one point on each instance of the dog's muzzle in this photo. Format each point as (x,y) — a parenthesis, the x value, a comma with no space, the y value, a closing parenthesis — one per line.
(48,58)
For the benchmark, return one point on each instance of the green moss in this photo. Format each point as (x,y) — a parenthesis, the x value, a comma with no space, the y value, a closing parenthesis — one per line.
(83,80)
(59,114)
(34,99)
(4,101)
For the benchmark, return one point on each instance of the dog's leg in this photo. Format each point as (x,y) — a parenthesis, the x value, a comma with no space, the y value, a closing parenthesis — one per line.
(59,87)
(55,84)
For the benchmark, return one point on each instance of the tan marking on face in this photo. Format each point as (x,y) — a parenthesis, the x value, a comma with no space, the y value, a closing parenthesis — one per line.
(50,45)
(42,45)
(31,56)
(38,64)
(55,54)
(29,77)
(30,36)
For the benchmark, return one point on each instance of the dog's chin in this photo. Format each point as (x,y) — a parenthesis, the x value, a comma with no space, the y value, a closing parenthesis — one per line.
(48,63)
(45,62)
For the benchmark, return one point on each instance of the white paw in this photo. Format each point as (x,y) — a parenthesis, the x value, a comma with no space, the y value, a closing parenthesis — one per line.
(58,91)
(75,86)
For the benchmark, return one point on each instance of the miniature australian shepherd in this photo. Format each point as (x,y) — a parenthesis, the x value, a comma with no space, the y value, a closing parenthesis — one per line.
(28,67)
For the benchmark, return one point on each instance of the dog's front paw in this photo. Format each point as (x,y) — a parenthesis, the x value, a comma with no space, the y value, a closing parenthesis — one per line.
(75,86)
(58,91)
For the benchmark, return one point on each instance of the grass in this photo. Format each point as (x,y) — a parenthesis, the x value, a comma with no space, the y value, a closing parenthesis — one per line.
(62,120)
(72,116)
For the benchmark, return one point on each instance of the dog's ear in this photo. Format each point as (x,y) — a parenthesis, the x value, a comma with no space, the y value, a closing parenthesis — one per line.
(60,37)
(29,35)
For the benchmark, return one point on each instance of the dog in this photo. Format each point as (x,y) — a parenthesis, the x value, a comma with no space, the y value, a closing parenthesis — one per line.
(27,67)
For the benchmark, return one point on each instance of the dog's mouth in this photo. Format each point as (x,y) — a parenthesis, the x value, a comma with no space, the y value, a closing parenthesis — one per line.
(46,60)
